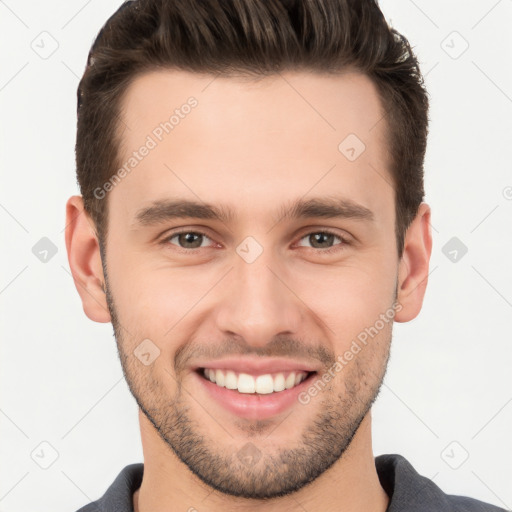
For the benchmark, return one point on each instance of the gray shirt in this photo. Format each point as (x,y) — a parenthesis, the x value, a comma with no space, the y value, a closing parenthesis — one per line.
(407,490)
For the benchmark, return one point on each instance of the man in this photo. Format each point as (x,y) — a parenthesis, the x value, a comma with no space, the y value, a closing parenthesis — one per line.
(252,223)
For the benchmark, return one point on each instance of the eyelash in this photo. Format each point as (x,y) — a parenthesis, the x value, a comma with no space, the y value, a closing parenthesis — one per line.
(330,250)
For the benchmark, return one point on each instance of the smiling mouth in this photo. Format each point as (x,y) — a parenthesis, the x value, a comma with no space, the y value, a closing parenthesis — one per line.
(246,383)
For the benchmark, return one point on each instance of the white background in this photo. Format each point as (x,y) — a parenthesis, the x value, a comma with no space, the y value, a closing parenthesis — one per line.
(449,378)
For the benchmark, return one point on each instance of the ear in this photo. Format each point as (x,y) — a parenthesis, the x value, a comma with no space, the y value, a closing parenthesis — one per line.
(85,260)
(413,266)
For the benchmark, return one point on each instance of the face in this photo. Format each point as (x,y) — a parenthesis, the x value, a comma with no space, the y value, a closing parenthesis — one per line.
(241,288)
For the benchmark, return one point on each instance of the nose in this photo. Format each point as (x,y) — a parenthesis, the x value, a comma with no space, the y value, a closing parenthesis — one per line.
(258,303)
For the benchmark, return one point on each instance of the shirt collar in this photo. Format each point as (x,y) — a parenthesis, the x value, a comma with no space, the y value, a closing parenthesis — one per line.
(407,490)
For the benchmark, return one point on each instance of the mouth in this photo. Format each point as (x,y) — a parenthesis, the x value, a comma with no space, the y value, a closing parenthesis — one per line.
(262,384)
(253,393)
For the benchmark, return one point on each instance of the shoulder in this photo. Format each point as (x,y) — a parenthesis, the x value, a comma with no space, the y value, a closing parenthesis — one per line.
(466,504)
(408,490)
(118,497)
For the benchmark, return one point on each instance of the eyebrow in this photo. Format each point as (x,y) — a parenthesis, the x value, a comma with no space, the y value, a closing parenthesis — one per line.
(321,207)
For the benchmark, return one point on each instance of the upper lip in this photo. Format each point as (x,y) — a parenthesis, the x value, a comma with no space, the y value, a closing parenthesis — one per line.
(259,366)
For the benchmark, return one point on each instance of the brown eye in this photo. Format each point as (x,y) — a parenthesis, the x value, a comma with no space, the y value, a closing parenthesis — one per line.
(324,241)
(187,239)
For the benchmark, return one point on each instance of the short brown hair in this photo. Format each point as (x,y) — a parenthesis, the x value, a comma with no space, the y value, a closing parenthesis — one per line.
(256,38)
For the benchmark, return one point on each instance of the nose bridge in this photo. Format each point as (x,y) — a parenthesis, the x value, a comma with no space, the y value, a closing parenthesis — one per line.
(257,305)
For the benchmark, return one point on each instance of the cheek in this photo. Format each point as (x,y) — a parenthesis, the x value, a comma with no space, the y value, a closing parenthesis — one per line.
(348,297)
(156,302)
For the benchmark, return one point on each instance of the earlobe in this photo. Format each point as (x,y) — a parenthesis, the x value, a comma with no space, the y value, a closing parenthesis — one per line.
(414,266)
(85,260)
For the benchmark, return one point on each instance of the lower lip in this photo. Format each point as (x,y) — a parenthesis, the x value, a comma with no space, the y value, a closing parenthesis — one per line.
(251,405)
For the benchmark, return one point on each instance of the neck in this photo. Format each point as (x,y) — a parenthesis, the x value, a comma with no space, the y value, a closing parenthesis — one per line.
(350,485)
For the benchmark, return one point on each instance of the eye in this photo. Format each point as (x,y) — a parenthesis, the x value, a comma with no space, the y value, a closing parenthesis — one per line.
(187,239)
(322,240)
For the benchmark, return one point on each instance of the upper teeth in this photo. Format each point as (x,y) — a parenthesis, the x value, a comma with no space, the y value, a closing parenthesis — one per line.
(246,383)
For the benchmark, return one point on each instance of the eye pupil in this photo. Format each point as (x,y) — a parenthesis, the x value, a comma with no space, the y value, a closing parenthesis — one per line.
(186,238)
(323,236)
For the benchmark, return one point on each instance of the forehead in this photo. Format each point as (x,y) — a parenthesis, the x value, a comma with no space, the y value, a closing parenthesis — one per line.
(245,142)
